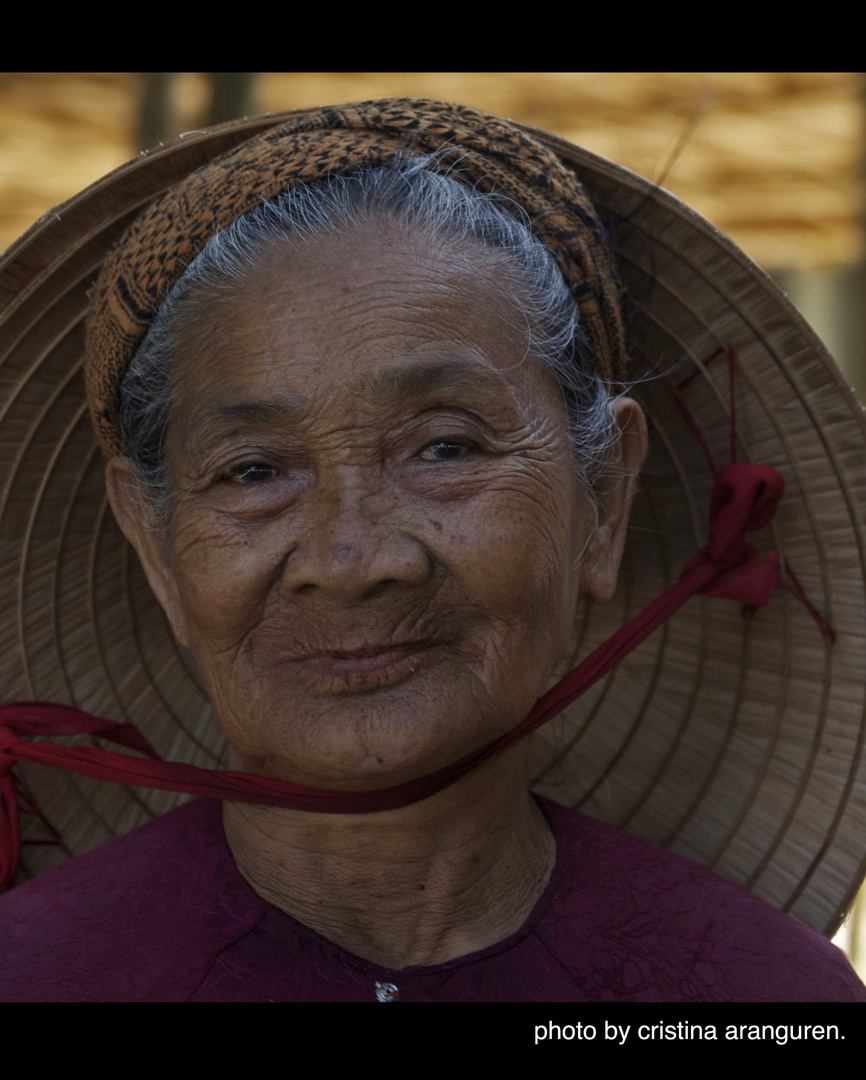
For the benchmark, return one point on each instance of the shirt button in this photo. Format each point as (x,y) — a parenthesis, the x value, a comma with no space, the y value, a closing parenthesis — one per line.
(387,992)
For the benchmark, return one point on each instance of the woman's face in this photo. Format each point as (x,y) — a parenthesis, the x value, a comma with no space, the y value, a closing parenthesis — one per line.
(378,540)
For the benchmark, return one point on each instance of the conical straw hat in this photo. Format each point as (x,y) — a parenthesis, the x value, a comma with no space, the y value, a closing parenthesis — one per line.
(738,742)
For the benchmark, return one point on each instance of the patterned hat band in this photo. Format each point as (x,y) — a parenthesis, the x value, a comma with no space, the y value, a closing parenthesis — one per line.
(494,156)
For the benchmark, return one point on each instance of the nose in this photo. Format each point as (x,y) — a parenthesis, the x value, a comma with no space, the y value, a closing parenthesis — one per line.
(358,542)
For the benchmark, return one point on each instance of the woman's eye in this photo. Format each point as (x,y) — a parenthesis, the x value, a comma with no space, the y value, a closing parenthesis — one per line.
(445,451)
(254,473)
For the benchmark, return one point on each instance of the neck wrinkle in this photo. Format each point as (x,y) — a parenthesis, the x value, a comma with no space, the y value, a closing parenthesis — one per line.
(418,886)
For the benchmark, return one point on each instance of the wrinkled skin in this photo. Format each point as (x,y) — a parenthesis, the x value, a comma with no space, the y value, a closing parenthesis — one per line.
(378,540)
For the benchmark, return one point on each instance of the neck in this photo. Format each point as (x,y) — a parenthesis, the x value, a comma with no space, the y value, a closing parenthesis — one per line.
(420,885)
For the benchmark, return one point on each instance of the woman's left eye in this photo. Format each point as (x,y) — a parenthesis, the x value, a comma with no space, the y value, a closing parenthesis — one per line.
(445,450)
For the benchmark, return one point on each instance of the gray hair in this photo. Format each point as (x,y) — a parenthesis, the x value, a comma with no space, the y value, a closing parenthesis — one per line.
(407,192)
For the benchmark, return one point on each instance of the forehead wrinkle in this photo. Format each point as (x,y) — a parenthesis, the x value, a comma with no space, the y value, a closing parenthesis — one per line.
(428,378)
(264,411)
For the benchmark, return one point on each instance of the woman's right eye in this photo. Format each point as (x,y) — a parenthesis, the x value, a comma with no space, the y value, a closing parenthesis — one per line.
(255,472)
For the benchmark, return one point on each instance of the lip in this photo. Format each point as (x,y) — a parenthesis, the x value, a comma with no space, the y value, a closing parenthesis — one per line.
(353,671)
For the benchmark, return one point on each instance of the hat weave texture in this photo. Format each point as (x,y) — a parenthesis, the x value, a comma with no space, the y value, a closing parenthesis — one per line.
(738,742)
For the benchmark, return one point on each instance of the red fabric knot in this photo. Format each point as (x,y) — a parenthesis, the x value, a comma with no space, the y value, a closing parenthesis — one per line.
(8,739)
(745,498)
(9,841)
(24,720)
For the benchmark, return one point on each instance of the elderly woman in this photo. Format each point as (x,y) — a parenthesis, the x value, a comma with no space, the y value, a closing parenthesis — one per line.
(359,384)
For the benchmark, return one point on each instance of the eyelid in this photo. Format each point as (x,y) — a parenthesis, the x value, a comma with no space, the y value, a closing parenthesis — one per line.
(283,461)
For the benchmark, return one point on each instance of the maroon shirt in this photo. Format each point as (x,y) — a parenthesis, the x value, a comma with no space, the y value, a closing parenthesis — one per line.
(162,914)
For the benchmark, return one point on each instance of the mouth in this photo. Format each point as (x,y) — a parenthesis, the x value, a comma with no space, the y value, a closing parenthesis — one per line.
(365,669)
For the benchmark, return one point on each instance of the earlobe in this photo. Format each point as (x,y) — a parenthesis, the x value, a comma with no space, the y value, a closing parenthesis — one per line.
(136,522)
(615,496)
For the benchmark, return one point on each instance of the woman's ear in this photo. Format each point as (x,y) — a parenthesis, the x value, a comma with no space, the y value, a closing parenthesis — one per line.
(615,491)
(136,521)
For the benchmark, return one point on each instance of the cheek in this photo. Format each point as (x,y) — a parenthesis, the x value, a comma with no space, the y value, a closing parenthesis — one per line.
(517,550)
(222,576)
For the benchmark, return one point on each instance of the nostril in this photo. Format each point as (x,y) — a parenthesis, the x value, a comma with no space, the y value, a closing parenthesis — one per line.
(380,587)
(354,558)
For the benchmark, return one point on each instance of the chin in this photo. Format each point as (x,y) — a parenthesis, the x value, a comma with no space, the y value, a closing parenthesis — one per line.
(363,741)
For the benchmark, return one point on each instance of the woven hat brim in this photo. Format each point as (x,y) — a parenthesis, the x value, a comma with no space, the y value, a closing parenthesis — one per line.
(737,742)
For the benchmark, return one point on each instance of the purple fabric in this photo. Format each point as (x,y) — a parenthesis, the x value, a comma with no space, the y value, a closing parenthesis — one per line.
(162,914)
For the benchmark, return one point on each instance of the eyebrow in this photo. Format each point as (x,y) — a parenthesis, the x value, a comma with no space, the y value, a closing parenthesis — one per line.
(262,412)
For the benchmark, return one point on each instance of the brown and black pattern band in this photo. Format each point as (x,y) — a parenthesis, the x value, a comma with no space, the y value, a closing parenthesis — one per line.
(493,154)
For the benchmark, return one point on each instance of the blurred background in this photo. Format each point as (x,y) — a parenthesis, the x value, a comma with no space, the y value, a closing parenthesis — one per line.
(775,159)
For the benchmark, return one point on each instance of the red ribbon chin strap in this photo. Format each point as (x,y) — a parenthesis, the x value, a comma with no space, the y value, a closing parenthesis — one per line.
(745,498)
